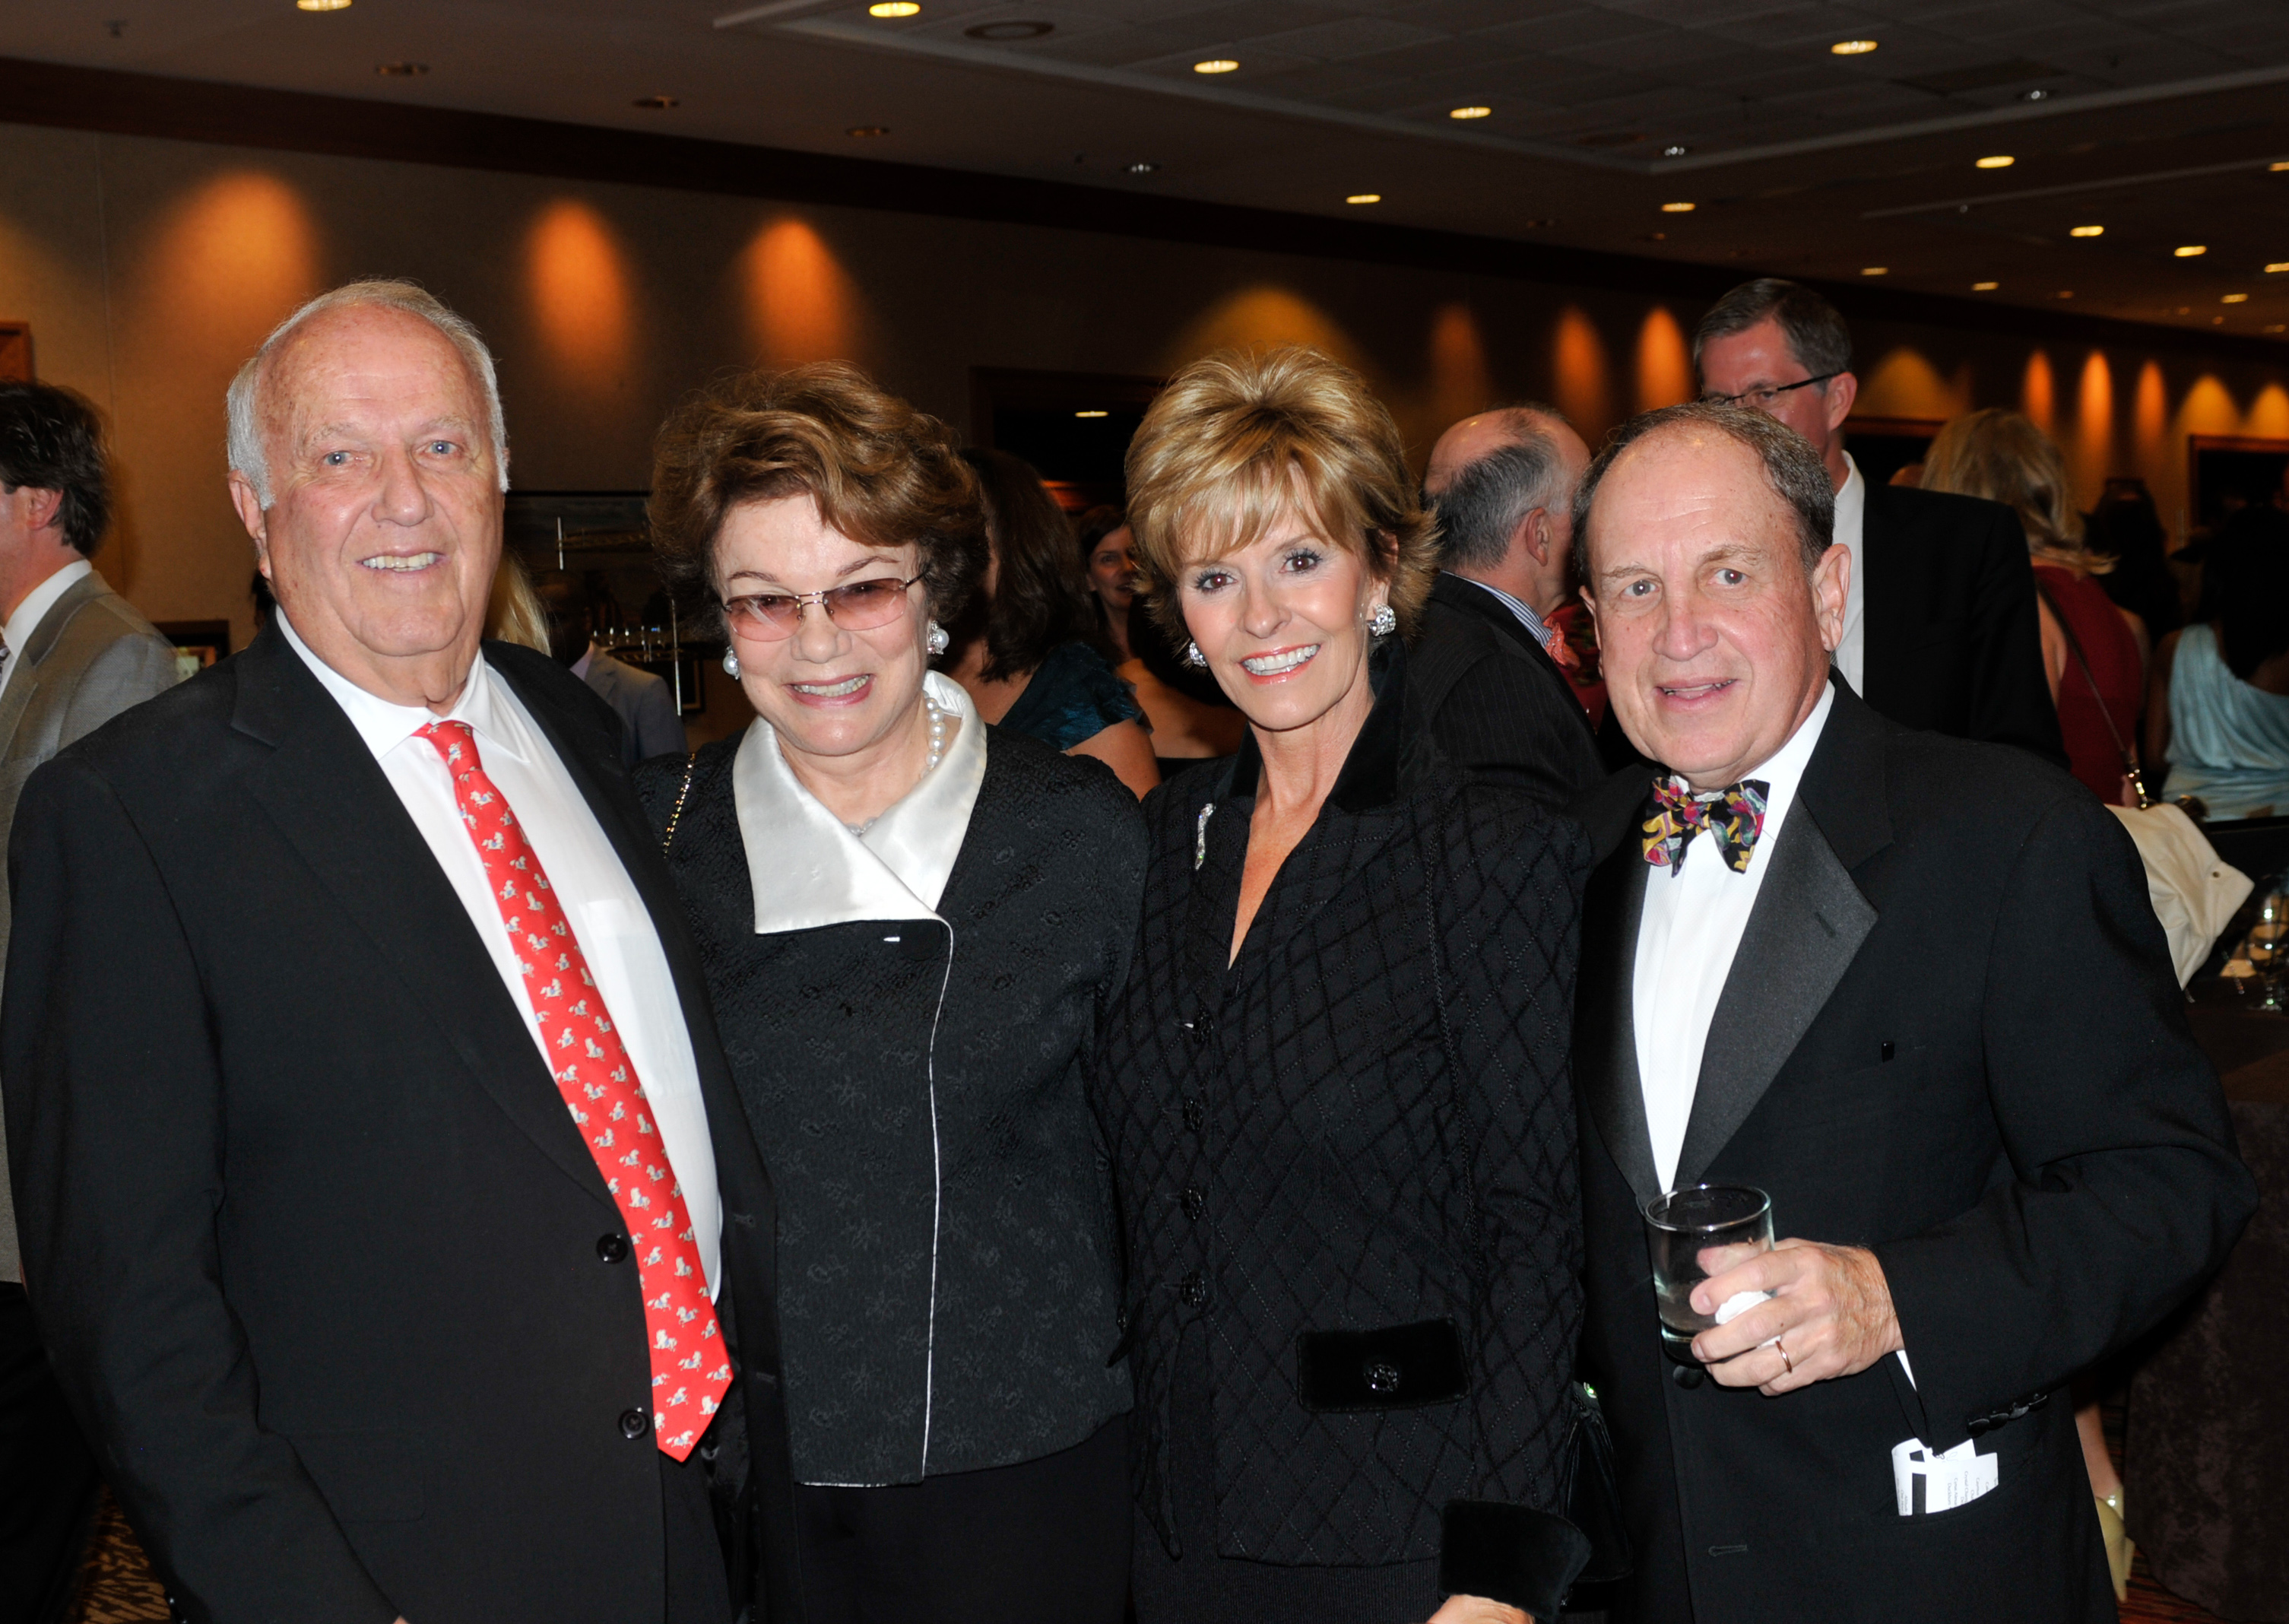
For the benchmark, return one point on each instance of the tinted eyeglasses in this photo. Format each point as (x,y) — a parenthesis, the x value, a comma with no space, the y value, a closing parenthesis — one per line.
(861,607)
(1763,399)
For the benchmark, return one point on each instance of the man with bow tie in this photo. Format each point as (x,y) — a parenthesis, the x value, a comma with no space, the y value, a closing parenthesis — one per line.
(1912,988)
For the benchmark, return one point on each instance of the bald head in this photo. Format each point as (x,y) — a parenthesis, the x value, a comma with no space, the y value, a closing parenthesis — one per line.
(1503,482)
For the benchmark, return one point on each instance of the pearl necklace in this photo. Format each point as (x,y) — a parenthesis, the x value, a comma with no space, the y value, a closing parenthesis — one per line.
(939,718)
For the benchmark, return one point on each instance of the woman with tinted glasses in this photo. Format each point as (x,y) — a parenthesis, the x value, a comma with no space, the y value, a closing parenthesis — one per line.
(910,921)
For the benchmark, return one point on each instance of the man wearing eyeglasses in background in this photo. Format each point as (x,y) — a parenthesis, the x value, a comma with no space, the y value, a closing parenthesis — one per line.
(1939,628)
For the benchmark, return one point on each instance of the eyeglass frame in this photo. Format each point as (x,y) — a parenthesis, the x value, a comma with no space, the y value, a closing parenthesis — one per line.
(819,597)
(1772,391)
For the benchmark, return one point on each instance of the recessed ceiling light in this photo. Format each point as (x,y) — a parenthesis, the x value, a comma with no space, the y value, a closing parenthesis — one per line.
(2234,298)
(655,104)
(1985,287)
(2066,293)
(1675,149)
(893,8)
(2185,309)
(1092,415)
(1143,166)
(1999,161)
(2277,266)
(2277,168)
(1469,112)
(2037,94)
(1875,270)
(322,5)
(2191,250)
(2217,321)
(1010,28)
(1364,198)
(2277,327)
(2086,231)
(401,71)
(1215,64)
(1677,208)
(863,131)
(1852,47)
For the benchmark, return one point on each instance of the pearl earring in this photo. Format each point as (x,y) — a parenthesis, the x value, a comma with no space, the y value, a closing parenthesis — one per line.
(1194,658)
(731,664)
(1385,622)
(938,639)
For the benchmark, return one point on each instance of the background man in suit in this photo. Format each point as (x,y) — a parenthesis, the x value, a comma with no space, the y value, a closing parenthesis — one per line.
(1483,674)
(385,1203)
(1912,988)
(644,703)
(73,655)
(1939,629)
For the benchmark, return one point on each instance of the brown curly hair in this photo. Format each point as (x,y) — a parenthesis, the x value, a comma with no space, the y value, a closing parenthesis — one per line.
(882,474)
(1238,439)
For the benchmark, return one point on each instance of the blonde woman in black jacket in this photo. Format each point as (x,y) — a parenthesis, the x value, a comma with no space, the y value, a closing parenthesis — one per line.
(1336,1080)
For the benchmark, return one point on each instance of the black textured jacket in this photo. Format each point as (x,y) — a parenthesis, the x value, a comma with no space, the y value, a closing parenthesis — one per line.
(1350,1130)
(946,1263)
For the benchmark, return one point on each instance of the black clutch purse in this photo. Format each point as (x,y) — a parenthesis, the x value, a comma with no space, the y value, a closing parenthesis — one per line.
(1591,1489)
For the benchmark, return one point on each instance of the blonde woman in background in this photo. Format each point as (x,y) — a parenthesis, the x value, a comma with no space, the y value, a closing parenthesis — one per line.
(2093,654)
(514,612)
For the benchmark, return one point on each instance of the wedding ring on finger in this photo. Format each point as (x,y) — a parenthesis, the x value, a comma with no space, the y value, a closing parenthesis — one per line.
(1787,1364)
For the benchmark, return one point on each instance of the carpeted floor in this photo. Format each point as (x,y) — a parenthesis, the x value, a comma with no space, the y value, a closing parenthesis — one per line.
(118,1587)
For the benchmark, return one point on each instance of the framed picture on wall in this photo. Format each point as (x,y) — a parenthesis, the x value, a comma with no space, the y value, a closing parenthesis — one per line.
(15,352)
(2226,473)
(1073,427)
(1881,447)
(198,644)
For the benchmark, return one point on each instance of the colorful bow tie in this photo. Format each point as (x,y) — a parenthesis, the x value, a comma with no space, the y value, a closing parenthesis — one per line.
(1733,817)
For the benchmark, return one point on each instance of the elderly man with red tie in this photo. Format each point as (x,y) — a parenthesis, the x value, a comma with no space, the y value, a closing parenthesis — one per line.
(385,1209)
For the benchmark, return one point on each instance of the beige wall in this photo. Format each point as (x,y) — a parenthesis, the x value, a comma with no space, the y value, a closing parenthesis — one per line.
(150,268)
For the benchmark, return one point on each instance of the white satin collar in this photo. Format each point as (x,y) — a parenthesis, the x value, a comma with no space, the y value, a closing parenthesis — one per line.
(807,869)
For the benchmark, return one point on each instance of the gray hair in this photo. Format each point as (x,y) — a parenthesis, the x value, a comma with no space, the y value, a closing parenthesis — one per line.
(247,454)
(1816,331)
(1486,501)
(1792,469)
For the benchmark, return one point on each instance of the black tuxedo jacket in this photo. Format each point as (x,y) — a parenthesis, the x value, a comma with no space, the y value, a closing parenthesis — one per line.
(1951,1034)
(1493,700)
(1950,637)
(316,1248)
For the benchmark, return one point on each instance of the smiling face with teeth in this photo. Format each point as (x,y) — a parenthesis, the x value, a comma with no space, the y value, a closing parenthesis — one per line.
(1715,640)
(385,526)
(846,704)
(1283,624)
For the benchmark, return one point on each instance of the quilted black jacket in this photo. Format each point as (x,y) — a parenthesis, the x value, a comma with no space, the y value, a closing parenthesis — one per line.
(1351,1131)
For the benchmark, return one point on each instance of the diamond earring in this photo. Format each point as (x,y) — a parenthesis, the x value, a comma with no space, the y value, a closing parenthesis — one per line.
(1194,658)
(731,664)
(938,640)
(1385,622)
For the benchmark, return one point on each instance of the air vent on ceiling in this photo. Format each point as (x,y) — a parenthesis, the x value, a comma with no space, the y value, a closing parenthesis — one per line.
(1988,75)
(1010,28)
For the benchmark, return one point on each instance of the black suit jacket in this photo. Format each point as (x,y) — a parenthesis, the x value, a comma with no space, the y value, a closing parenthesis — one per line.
(1495,702)
(1951,1034)
(313,1244)
(1950,639)
(1362,1125)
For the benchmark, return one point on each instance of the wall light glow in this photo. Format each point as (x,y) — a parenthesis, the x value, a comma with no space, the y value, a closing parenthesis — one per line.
(802,304)
(582,301)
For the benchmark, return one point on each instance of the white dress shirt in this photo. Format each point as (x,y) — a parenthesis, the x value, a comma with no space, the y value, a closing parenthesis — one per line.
(1687,937)
(600,903)
(1850,656)
(34,610)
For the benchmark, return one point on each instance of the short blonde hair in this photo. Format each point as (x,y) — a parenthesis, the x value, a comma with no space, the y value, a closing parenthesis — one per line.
(2003,457)
(1236,440)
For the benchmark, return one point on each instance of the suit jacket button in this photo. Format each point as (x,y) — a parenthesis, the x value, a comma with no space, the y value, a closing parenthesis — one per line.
(1687,1376)
(1194,1290)
(635,1423)
(1382,1378)
(1203,1025)
(1196,1115)
(613,1248)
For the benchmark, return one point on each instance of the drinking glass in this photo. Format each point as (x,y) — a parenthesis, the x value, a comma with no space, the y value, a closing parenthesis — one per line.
(2267,948)
(1696,1235)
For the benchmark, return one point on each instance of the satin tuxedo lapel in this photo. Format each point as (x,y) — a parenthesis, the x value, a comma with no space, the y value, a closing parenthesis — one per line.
(1605,1078)
(1809,921)
(331,803)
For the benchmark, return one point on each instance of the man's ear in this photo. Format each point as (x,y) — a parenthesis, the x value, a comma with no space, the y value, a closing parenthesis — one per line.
(1843,391)
(1832,589)
(42,508)
(1535,533)
(249,508)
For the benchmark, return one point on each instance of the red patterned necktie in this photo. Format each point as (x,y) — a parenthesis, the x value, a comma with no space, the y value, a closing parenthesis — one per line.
(690,1369)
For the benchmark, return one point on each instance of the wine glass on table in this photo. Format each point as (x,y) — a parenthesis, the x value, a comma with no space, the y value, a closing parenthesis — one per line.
(2268,942)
